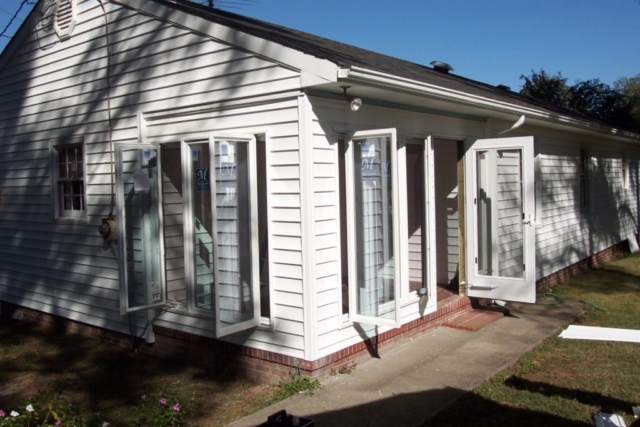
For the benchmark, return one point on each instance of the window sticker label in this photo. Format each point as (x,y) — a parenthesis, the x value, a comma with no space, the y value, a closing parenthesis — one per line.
(155,292)
(202,179)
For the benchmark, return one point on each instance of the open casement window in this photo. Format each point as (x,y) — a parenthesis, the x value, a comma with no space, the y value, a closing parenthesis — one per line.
(234,238)
(420,202)
(374,217)
(138,189)
(499,219)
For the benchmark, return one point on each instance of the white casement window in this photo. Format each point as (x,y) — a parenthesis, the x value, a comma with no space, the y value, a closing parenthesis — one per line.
(140,224)
(374,217)
(68,180)
(583,177)
(222,253)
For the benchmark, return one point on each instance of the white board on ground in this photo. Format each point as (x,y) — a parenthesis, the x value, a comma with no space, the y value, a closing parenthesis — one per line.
(577,332)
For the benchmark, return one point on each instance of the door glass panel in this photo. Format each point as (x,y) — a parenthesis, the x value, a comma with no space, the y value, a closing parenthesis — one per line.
(139,186)
(173,221)
(499,211)
(202,226)
(233,232)
(373,194)
(416,216)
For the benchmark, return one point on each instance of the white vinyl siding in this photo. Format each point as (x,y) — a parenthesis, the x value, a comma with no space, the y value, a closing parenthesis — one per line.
(61,88)
(567,235)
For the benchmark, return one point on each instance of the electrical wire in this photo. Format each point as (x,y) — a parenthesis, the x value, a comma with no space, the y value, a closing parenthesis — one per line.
(14,17)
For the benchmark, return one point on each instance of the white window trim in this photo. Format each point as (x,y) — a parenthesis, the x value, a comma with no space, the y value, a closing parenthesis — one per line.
(59,215)
(399,225)
(625,169)
(588,158)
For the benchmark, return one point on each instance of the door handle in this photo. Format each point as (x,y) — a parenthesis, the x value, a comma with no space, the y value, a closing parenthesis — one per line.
(529,221)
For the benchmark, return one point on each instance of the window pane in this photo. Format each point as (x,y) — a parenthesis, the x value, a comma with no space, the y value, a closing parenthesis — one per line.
(233,223)
(374,227)
(62,171)
(202,226)
(139,184)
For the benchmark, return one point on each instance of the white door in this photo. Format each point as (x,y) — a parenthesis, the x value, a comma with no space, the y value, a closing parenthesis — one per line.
(499,219)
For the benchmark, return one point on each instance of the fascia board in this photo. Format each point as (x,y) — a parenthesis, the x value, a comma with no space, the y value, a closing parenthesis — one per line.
(542,117)
(313,70)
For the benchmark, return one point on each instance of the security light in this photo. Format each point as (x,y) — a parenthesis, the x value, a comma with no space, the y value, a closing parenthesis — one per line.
(354,103)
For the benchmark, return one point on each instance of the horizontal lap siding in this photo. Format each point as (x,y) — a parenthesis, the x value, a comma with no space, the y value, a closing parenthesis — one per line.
(51,89)
(565,234)
(63,269)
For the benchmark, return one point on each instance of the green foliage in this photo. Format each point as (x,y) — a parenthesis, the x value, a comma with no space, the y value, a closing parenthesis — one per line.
(287,388)
(618,106)
(47,408)
(546,87)
(166,408)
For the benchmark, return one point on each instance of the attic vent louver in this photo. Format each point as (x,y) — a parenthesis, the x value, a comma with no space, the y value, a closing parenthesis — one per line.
(65,18)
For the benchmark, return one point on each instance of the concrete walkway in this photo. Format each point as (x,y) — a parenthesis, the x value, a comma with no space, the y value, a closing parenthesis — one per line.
(420,376)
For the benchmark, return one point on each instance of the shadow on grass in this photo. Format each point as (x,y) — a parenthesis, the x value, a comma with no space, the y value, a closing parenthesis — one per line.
(605,403)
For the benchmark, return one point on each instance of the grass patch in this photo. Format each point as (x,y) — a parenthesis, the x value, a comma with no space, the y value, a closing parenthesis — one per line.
(563,382)
(113,384)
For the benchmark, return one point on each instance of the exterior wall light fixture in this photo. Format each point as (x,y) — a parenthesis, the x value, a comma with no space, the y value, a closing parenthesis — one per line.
(354,103)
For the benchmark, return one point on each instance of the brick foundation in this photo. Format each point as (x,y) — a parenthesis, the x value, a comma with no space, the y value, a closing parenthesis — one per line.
(268,367)
(582,266)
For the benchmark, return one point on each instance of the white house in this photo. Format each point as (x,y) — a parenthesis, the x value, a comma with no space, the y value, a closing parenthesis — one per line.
(247,207)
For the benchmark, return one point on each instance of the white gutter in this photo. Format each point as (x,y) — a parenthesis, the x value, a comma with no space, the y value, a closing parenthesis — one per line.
(542,117)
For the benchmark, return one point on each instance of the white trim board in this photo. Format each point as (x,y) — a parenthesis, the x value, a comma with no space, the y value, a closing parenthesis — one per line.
(600,334)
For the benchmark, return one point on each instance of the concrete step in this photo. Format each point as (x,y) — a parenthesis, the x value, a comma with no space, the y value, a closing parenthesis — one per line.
(475,319)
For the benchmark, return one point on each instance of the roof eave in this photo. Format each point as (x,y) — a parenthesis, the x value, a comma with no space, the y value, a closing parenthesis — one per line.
(540,117)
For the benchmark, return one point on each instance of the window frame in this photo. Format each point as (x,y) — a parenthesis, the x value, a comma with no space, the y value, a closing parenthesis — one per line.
(59,213)
(399,225)
(584,180)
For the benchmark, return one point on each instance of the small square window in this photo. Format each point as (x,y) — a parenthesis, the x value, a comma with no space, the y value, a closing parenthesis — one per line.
(68,181)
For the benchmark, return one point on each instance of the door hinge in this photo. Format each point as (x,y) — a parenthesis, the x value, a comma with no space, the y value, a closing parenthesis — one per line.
(475,201)
(524,267)
(476,260)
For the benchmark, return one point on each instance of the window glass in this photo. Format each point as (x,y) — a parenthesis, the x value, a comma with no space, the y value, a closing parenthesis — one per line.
(375,258)
(70,186)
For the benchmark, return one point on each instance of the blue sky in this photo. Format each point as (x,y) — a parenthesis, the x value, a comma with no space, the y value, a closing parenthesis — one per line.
(491,41)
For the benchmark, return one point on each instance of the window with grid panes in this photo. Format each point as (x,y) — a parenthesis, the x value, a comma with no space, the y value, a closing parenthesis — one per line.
(70,181)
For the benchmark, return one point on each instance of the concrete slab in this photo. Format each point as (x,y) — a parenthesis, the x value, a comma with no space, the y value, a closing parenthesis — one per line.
(420,376)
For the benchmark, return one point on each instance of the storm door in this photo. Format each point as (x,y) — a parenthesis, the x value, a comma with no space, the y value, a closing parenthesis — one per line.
(499,177)
(138,189)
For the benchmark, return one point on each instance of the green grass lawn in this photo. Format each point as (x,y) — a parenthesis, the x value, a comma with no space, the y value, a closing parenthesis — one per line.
(563,382)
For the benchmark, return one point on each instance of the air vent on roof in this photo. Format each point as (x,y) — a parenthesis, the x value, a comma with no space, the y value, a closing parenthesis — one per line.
(65,17)
(443,67)
(504,87)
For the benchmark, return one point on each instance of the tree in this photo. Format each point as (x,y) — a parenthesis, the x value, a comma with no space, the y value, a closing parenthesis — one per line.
(543,86)
(618,106)
(629,87)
